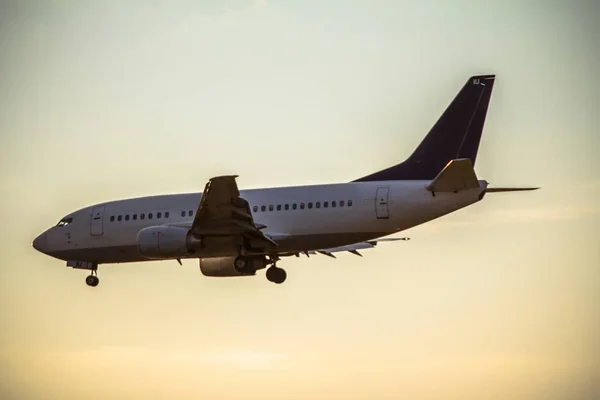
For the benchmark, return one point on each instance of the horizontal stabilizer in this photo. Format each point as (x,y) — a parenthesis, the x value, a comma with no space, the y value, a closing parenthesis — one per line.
(517,189)
(457,175)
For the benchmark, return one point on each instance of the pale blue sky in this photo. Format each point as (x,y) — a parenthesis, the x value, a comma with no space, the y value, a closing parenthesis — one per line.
(102,100)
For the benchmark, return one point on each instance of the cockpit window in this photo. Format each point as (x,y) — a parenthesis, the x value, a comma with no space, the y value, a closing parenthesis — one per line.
(65,221)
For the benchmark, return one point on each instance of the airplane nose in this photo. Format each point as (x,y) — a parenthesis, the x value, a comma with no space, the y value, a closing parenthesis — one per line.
(40,242)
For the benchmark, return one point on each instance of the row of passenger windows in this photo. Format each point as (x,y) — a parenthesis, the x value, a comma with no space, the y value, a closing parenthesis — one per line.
(302,206)
(159,215)
(278,207)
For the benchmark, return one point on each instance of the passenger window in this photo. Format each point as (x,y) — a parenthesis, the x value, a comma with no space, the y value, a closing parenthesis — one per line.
(278,207)
(183,213)
(325,204)
(342,203)
(271,207)
(167,214)
(310,205)
(158,215)
(333,204)
(318,204)
(112,219)
(294,206)
(349,203)
(149,215)
(263,208)
(142,216)
(127,217)
(119,218)
(302,206)
(286,207)
(255,208)
(190,213)
(134,216)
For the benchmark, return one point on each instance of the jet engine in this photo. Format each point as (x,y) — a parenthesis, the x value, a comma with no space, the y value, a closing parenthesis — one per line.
(159,242)
(225,266)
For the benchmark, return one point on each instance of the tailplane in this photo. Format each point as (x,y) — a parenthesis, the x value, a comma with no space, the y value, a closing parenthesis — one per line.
(456,135)
(457,175)
(507,189)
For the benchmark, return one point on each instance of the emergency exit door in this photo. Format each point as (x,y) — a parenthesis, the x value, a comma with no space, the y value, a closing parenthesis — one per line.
(381,203)
(97,227)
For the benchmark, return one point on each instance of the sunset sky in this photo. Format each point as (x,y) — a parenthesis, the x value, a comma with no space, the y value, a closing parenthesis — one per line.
(102,100)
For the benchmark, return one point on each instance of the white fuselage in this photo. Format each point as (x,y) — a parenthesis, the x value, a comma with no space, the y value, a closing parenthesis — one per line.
(107,232)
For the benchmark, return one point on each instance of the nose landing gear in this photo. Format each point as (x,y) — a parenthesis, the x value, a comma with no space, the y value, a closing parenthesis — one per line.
(92,280)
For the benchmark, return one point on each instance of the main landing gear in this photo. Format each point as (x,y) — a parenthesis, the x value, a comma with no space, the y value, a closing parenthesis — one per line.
(92,280)
(245,265)
(276,274)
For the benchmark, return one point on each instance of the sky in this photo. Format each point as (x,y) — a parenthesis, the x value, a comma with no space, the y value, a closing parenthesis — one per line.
(102,100)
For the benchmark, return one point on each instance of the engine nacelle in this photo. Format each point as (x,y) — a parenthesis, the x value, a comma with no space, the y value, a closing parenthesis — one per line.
(158,242)
(223,266)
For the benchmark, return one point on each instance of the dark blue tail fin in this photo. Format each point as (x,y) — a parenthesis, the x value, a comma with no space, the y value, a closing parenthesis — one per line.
(455,135)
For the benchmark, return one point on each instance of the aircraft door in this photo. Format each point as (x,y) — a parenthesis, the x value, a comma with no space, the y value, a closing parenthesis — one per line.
(381,203)
(97,225)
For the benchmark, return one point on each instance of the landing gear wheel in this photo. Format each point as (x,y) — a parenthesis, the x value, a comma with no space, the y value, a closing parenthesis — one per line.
(276,275)
(243,265)
(92,280)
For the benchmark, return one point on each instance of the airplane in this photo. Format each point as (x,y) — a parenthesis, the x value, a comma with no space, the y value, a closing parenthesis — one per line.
(235,233)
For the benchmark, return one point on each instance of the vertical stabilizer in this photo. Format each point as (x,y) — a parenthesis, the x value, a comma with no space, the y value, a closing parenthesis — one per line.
(456,135)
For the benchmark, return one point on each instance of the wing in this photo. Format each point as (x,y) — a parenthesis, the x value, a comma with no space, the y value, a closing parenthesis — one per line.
(353,248)
(222,212)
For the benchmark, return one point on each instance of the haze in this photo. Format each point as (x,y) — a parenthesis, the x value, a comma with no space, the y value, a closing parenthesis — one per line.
(102,100)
